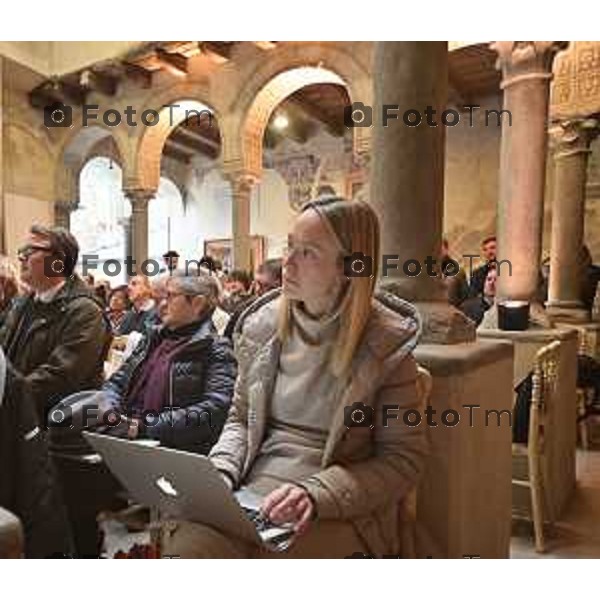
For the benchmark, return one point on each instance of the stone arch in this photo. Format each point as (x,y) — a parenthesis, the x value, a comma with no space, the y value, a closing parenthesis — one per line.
(85,144)
(151,143)
(289,70)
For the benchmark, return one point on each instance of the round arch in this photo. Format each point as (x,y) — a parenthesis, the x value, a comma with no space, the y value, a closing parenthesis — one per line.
(76,153)
(291,69)
(152,141)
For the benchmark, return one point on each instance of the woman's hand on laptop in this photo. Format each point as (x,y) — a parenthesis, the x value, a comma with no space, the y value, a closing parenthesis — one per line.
(289,503)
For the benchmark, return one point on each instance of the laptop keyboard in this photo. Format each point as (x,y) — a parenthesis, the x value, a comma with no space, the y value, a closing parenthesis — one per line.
(261,523)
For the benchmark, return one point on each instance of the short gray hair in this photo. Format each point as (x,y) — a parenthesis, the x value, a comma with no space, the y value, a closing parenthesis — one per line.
(196,285)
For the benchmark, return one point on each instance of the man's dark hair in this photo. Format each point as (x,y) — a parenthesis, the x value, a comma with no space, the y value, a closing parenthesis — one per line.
(208,263)
(487,240)
(272,268)
(241,276)
(171,254)
(62,242)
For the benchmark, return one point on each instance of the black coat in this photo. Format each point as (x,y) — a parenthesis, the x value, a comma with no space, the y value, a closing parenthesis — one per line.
(202,376)
(53,350)
(57,348)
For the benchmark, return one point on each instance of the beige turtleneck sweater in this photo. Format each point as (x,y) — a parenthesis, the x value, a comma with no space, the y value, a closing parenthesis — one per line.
(302,405)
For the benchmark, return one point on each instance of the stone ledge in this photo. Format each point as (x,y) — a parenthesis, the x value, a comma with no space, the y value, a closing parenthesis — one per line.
(459,359)
(529,335)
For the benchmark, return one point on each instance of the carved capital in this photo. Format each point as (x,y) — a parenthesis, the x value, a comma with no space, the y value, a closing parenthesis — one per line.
(522,61)
(139,198)
(242,183)
(574,136)
(66,206)
(63,210)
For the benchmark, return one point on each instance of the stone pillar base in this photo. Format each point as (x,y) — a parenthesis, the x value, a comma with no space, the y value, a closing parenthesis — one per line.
(464,498)
(567,312)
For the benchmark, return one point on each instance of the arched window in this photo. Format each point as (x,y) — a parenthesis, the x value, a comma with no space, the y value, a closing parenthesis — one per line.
(166,222)
(99,224)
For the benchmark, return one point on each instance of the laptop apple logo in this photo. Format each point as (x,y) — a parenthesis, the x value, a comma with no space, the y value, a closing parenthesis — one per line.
(166,487)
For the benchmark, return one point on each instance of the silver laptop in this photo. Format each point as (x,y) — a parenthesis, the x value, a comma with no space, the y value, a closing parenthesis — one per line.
(187,486)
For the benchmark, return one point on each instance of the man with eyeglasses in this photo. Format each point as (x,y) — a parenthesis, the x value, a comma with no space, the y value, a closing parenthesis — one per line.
(52,344)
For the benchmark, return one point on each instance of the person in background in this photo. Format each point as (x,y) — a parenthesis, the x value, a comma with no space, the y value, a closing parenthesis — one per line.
(488,249)
(171,259)
(266,278)
(118,305)
(236,290)
(143,311)
(475,308)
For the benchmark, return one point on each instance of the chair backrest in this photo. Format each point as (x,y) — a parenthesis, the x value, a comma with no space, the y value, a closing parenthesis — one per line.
(545,375)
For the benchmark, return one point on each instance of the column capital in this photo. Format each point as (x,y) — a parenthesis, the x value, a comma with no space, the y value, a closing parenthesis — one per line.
(63,210)
(521,61)
(66,205)
(574,136)
(241,182)
(139,198)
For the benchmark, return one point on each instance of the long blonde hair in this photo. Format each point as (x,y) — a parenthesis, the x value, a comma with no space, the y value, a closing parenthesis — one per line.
(355,226)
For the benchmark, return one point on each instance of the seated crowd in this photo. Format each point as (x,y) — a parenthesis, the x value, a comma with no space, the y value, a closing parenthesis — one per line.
(254,372)
(269,412)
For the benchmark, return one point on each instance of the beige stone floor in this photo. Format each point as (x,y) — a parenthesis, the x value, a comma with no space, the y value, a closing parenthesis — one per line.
(577,534)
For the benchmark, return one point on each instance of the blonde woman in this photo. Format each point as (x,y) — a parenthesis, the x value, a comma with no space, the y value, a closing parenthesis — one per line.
(306,354)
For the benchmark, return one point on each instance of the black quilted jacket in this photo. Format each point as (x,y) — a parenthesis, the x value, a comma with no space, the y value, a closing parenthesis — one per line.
(202,376)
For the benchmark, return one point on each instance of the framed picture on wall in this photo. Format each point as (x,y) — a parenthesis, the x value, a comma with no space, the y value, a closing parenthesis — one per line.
(222,250)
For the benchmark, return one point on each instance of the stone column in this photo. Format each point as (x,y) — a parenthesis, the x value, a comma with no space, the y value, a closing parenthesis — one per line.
(62,212)
(571,140)
(526,75)
(138,244)
(407,179)
(241,190)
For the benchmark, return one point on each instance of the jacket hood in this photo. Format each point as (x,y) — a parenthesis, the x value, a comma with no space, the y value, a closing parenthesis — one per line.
(394,325)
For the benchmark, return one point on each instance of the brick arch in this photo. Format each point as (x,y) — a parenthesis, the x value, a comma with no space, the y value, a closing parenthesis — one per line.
(289,70)
(151,143)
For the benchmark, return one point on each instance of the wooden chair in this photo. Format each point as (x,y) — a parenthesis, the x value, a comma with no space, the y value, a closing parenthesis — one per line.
(585,395)
(528,461)
(408,508)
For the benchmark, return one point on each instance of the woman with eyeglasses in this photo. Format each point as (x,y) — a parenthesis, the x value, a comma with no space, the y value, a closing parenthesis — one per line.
(310,355)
